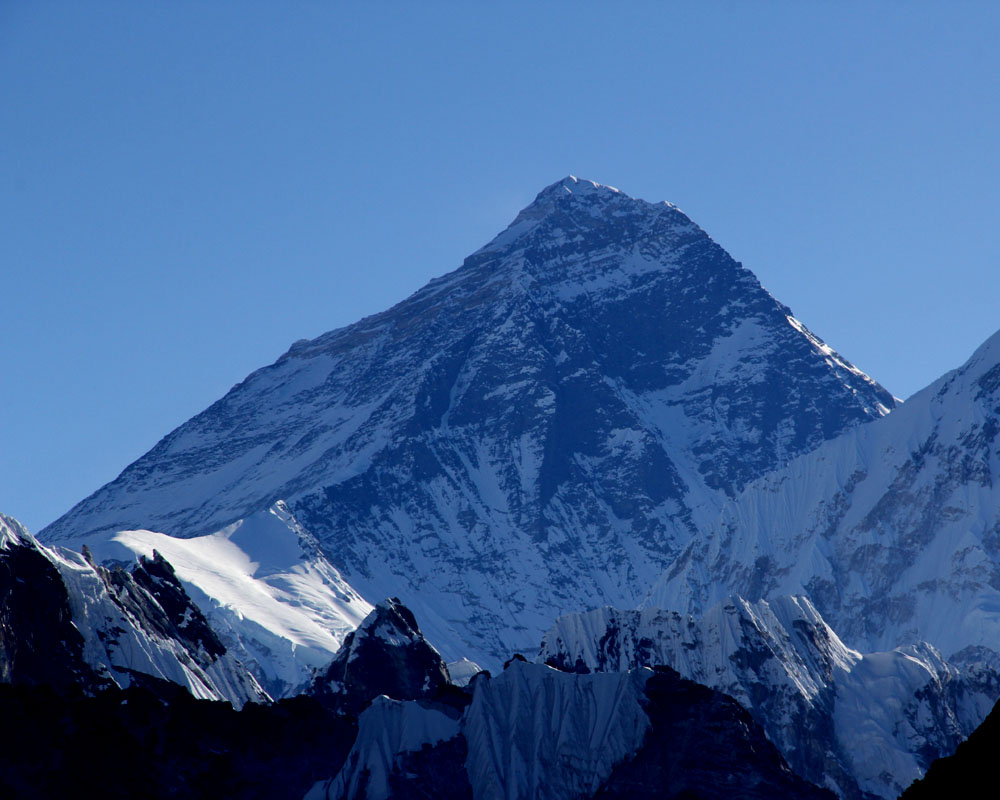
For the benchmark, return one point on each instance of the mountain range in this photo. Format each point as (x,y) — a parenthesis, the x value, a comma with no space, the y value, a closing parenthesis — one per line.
(602,444)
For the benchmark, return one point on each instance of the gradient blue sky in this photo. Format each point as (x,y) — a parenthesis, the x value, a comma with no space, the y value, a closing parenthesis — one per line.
(187,188)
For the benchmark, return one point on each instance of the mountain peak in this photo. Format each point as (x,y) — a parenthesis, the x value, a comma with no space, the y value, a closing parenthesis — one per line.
(544,426)
(575,206)
(985,360)
(578,186)
(580,190)
(12,532)
(387,654)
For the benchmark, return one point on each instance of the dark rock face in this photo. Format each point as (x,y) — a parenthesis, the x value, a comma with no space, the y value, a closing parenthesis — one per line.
(547,425)
(386,655)
(434,772)
(159,742)
(152,592)
(39,645)
(703,744)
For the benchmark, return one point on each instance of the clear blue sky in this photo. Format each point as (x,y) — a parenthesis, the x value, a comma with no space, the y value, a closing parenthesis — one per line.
(187,188)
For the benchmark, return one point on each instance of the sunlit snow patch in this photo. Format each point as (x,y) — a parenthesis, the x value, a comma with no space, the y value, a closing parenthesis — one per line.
(265,587)
(463,671)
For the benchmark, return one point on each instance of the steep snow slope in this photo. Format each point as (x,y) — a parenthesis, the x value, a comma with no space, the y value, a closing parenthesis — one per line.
(389,730)
(855,723)
(893,529)
(69,622)
(539,431)
(537,732)
(265,587)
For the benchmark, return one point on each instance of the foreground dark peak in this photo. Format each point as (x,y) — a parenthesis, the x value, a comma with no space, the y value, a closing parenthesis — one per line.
(970,772)
(39,644)
(530,732)
(386,655)
(543,429)
(702,743)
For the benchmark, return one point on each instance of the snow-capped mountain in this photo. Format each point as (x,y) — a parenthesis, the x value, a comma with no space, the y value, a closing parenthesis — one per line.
(539,431)
(892,529)
(66,622)
(859,724)
(265,587)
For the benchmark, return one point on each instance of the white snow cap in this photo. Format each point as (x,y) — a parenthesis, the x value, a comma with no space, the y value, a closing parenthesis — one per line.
(580,186)
(583,188)
(11,532)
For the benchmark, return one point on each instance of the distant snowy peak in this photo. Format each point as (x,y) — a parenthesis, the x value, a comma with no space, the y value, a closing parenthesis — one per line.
(544,428)
(580,200)
(12,532)
(893,529)
(571,189)
(580,187)
(538,257)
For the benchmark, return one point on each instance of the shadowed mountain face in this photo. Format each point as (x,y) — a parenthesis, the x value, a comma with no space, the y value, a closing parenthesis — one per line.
(539,431)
